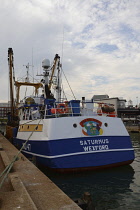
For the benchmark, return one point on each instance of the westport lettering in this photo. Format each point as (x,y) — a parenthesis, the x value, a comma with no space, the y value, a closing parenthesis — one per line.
(94,145)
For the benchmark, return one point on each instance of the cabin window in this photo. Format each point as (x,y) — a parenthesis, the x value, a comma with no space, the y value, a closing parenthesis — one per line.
(37,128)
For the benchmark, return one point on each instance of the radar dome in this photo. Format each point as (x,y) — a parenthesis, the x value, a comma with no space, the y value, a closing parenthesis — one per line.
(46,63)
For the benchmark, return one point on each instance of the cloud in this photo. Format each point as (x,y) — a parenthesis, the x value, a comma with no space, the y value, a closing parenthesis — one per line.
(98,42)
(106,48)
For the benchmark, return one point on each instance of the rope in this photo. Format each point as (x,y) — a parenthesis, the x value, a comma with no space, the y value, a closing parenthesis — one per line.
(8,168)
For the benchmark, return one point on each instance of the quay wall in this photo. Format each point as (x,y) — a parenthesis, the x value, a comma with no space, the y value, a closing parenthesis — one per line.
(133,128)
(26,187)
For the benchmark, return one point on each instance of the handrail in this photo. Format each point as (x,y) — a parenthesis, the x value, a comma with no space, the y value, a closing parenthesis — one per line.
(56,111)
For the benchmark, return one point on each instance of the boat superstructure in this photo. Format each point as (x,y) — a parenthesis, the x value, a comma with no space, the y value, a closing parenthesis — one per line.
(70,134)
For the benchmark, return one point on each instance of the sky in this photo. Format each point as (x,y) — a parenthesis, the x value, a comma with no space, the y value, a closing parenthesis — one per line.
(98,42)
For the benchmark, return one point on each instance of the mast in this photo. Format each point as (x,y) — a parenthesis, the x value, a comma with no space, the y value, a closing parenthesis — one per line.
(58,88)
(27,78)
(56,66)
(27,82)
(11,66)
(49,77)
(56,60)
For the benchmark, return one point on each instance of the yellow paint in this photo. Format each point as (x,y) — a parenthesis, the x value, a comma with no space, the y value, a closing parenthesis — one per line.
(31,128)
(100,131)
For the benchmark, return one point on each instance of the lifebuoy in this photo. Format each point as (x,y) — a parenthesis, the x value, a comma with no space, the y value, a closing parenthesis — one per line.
(99,112)
(62,108)
(112,114)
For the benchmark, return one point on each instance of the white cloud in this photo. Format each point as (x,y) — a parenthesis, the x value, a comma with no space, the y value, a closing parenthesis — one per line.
(38,26)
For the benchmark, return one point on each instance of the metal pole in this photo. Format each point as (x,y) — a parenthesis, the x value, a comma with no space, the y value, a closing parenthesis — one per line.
(10,61)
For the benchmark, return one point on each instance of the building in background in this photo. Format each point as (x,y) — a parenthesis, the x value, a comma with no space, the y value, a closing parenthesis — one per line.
(4,109)
(117,102)
(130,114)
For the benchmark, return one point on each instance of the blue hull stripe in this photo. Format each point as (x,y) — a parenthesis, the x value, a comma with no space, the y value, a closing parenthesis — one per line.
(78,153)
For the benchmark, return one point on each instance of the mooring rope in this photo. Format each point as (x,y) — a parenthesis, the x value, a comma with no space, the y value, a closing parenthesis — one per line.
(8,168)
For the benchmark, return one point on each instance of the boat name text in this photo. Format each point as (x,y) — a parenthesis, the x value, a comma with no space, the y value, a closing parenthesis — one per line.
(94,145)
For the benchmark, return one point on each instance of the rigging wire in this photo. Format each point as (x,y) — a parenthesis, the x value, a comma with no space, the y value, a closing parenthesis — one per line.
(62,54)
(63,92)
(61,65)
(68,84)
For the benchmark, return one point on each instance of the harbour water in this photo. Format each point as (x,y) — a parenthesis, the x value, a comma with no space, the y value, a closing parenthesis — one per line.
(117,188)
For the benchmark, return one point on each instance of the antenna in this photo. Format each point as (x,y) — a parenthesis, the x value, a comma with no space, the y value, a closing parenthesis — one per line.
(27,77)
(32,63)
(62,45)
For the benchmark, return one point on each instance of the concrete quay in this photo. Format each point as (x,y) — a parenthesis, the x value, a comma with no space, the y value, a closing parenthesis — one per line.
(133,129)
(26,187)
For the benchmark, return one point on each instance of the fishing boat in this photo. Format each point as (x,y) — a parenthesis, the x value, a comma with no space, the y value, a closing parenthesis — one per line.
(69,135)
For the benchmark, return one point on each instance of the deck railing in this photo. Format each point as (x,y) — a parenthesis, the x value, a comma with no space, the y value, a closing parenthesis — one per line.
(64,110)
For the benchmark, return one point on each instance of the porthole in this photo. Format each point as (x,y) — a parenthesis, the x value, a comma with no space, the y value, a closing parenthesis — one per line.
(75,125)
(106,124)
